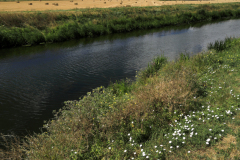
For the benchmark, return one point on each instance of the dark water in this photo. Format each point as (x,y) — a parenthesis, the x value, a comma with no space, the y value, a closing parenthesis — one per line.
(36,80)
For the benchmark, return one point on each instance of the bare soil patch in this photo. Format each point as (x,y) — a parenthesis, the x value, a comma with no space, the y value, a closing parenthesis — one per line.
(75,4)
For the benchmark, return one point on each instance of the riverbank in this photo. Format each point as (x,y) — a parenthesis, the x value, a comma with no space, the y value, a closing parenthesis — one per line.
(187,109)
(32,28)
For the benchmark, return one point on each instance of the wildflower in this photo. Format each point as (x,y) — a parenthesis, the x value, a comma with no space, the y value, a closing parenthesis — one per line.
(143,154)
(207,143)
(125,150)
(177,146)
(75,152)
(170,151)
(155,146)
(147,157)
(161,145)
(183,142)
(210,129)
(215,137)
(170,141)
(208,139)
(188,151)
(134,153)
(184,138)
(128,134)
(140,145)
(109,148)
(171,147)
(222,130)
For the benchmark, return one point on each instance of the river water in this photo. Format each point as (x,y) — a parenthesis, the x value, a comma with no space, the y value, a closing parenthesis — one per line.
(36,80)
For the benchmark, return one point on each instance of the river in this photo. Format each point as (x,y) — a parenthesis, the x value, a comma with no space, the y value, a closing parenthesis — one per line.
(36,80)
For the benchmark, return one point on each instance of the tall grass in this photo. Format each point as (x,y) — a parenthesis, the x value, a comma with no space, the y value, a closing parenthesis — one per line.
(183,110)
(221,45)
(59,26)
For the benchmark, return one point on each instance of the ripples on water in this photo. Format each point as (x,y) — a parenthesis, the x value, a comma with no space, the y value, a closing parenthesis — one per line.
(36,80)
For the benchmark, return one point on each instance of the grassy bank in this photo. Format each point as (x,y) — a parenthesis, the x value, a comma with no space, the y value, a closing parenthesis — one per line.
(187,109)
(31,28)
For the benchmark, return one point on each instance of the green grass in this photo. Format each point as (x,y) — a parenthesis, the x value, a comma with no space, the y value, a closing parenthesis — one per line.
(32,28)
(187,109)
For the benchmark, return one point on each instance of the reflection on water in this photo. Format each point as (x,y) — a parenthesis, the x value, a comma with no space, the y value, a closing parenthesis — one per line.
(36,80)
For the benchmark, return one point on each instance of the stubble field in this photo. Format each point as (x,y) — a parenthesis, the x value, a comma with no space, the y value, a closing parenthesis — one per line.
(72,4)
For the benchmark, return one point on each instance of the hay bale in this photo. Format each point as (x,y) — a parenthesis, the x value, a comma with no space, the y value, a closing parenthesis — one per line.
(56,4)
(17,1)
(71,1)
(75,3)
(46,3)
(53,3)
(29,3)
(104,2)
(128,5)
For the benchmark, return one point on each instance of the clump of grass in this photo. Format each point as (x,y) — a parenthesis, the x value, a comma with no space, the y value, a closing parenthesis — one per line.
(221,45)
(153,67)
(121,87)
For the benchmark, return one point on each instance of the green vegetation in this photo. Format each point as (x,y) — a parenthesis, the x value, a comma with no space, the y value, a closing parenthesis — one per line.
(30,28)
(187,109)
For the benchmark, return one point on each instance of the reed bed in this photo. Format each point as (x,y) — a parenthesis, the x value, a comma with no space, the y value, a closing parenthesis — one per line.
(31,28)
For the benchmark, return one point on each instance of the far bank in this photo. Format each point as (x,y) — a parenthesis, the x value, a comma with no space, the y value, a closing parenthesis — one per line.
(33,28)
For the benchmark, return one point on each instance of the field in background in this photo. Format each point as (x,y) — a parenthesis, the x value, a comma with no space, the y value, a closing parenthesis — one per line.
(38,5)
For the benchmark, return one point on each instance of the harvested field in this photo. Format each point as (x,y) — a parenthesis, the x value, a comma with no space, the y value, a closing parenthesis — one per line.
(65,5)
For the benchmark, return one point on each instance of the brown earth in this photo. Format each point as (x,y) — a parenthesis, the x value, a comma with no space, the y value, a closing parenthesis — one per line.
(65,5)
